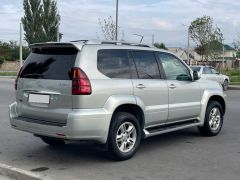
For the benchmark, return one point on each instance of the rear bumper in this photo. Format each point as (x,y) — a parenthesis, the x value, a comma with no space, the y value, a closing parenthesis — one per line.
(82,124)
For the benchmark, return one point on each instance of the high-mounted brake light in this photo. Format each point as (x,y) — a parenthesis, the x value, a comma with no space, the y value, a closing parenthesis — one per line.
(16,80)
(80,83)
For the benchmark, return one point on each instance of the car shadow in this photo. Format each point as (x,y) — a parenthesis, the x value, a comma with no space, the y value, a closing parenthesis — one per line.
(76,153)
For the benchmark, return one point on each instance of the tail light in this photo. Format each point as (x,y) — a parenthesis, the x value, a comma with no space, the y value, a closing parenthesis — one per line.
(80,83)
(16,80)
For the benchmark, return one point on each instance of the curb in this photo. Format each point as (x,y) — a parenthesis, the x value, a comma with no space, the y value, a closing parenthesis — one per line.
(233,87)
(18,174)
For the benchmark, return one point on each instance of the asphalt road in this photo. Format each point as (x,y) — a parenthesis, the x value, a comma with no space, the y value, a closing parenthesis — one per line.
(183,155)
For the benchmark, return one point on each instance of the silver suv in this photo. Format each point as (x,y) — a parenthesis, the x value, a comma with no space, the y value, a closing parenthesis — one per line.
(112,93)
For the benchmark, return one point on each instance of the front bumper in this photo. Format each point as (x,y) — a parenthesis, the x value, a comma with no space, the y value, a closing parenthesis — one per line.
(82,124)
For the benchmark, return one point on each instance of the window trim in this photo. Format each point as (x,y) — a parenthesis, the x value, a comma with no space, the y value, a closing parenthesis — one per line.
(136,50)
(160,61)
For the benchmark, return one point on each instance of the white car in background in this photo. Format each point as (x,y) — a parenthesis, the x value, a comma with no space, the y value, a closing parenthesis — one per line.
(208,72)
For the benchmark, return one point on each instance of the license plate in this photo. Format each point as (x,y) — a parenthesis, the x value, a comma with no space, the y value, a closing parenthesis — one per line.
(38,98)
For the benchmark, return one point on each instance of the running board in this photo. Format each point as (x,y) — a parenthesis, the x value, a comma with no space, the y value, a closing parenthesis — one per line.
(169,128)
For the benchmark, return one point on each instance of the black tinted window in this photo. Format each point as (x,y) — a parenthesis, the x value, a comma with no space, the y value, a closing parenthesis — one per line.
(49,63)
(114,63)
(146,64)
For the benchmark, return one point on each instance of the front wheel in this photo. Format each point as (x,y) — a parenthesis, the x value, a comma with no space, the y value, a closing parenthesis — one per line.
(124,136)
(213,119)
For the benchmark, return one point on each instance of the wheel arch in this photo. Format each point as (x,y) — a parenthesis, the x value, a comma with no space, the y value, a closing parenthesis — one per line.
(133,109)
(211,95)
(219,99)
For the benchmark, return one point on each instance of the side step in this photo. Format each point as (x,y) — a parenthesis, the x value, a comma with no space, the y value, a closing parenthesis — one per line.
(170,128)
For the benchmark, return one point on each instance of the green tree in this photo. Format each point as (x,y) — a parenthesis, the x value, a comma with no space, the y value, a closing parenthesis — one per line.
(50,20)
(160,46)
(10,51)
(205,35)
(40,21)
(2,59)
(238,54)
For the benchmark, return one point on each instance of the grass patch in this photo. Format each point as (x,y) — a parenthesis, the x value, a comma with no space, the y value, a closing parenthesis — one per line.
(234,83)
(8,73)
(232,72)
(234,75)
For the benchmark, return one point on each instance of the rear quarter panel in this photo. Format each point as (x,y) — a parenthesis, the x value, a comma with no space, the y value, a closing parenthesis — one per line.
(102,86)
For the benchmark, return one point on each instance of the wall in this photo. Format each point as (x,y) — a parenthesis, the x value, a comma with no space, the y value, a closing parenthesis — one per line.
(10,66)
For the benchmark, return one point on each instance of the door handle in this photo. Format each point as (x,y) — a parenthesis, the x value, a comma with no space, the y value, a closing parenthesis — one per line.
(172,86)
(140,86)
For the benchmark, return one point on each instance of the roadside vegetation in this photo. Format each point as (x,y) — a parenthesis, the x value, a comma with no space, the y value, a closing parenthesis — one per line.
(234,75)
(9,51)
(7,73)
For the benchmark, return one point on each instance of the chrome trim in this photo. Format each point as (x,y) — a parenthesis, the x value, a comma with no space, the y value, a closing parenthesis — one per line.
(148,134)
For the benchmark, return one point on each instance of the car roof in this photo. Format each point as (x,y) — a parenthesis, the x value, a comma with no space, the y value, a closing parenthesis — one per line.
(109,44)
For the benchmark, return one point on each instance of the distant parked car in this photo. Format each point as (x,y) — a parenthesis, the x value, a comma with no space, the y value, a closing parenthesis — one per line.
(208,72)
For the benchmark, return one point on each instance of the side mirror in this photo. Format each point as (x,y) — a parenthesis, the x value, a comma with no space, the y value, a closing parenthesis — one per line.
(196,76)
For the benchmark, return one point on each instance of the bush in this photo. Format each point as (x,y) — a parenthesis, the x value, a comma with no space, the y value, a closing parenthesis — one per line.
(2,59)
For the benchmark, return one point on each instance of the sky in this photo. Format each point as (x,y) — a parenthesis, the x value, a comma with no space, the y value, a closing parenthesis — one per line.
(163,18)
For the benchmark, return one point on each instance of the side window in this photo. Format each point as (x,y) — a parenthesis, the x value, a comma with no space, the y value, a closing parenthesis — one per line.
(114,63)
(174,68)
(146,64)
(207,70)
(213,71)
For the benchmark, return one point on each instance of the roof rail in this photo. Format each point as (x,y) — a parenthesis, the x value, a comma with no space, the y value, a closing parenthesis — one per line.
(110,42)
(124,43)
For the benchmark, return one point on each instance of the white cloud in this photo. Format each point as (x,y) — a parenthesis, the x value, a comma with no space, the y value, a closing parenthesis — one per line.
(79,18)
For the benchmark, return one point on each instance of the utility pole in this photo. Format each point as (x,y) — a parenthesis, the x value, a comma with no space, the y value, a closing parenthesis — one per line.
(116,36)
(153,39)
(188,46)
(20,47)
(223,56)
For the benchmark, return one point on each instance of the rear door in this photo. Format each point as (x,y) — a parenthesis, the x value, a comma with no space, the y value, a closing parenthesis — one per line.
(150,88)
(44,90)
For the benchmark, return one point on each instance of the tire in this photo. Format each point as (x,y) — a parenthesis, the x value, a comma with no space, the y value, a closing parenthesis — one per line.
(225,85)
(54,142)
(213,119)
(124,136)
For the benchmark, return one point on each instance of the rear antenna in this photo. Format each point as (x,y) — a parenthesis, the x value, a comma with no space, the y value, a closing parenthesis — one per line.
(139,35)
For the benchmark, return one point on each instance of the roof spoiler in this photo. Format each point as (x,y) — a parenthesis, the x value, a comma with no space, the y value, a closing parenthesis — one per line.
(51,44)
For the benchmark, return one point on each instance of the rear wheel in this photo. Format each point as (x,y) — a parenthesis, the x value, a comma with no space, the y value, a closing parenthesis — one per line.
(225,85)
(213,119)
(53,141)
(124,136)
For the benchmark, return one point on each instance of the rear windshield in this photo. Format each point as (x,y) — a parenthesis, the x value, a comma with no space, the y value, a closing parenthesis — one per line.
(50,63)
(195,68)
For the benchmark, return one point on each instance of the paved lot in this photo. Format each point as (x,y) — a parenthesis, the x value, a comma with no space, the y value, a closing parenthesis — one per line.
(181,155)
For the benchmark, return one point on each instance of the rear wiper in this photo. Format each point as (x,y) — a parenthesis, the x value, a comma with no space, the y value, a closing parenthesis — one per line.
(34,75)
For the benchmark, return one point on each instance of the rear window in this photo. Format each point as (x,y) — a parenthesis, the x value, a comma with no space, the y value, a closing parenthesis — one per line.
(114,63)
(50,63)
